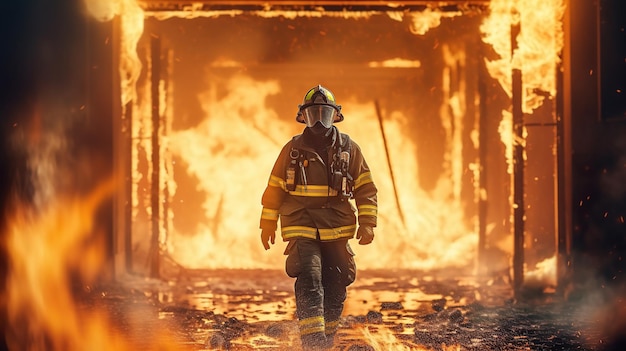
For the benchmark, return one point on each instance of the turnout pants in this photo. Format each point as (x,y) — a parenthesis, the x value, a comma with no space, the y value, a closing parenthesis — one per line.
(322,270)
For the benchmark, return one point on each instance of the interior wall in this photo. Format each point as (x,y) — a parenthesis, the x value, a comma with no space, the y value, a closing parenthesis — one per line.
(598,155)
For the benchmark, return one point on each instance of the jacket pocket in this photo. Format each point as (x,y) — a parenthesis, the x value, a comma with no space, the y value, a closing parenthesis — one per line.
(293,268)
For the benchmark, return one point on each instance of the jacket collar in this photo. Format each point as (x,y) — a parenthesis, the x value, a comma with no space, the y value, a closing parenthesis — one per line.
(332,140)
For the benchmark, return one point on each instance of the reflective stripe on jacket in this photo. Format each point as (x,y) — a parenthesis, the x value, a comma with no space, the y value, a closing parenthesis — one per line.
(312,207)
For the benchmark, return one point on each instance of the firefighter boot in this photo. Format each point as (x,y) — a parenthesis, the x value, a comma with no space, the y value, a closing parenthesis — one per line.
(313,341)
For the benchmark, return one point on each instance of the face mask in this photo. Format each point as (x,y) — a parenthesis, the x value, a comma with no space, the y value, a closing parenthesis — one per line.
(318,128)
(319,113)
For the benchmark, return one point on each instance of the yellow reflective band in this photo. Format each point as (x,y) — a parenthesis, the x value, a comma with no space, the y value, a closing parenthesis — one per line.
(311,325)
(363,179)
(276,182)
(268,213)
(298,232)
(331,327)
(326,93)
(311,320)
(310,190)
(368,210)
(309,94)
(337,233)
(311,330)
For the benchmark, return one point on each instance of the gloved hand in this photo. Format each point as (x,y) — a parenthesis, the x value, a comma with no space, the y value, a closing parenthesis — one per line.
(366,234)
(268,236)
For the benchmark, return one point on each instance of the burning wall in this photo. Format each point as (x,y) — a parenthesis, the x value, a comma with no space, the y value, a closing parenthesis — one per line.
(251,65)
(20,94)
(439,65)
(236,83)
(427,81)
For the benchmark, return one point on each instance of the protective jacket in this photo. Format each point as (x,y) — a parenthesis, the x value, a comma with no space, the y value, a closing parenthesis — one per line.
(314,209)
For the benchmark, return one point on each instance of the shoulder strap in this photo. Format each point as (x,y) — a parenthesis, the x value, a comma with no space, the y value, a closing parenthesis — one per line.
(294,167)
(345,142)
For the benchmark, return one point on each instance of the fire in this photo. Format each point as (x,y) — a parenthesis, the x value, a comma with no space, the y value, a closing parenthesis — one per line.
(222,168)
(55,256)
(535,52)
(538,45)
(544,274)
(231,177)
(422,22)
(44,247)
(382,339)
(214,159)
(53,251)
(396,62)
(51,245)
(131,22)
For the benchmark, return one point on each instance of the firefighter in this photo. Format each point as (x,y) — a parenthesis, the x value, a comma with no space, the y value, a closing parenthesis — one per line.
(317,179)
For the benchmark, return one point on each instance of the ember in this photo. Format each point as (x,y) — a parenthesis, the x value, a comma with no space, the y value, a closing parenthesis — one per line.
(501,180)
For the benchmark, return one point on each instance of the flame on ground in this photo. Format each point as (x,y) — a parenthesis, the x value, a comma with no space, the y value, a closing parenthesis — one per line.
(383,339)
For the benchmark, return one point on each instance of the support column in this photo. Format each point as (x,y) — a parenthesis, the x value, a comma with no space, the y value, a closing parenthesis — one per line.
(156,165)
(518,168)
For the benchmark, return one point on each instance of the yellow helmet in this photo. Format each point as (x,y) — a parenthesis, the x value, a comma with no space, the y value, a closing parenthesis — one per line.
(319,106)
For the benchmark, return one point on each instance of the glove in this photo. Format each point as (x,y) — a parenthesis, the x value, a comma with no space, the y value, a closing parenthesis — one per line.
(268,236)
(365,234)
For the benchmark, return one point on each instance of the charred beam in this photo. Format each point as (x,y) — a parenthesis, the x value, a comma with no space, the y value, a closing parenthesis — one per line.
(328,5)
(518,168)
(155,199)
(483,132)
(564,228)
(393,178)
(128,185)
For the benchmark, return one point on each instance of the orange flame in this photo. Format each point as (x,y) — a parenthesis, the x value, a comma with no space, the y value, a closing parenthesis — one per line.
(383,339)
(422,22)
(219,166)
(131,24)
(436,217)
(44,247)
(50,251)
(233,223)
(539,45)
(536,53)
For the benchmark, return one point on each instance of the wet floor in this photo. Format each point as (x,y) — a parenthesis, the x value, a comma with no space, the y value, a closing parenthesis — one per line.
(385,310)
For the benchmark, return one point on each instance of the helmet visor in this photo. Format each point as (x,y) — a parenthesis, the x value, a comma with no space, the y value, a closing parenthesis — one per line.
(322,113)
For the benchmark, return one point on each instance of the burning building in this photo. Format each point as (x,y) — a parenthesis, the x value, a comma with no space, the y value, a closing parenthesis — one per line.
(494,129)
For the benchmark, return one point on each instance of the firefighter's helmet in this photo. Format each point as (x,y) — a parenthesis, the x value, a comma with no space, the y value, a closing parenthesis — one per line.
(319,105)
